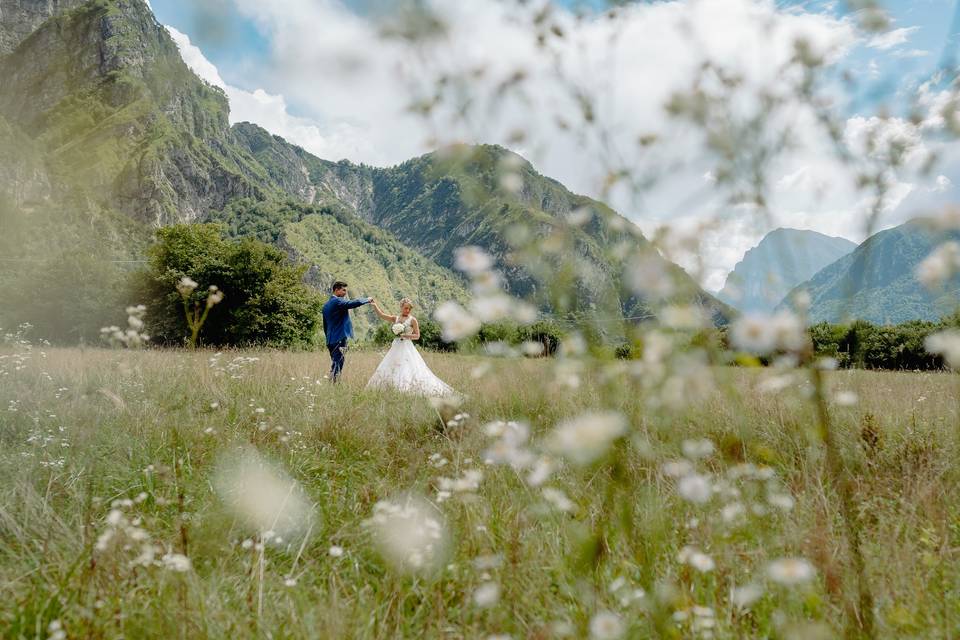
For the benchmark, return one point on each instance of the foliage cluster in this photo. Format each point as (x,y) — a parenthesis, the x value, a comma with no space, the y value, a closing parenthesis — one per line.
(864,345)
(266,301)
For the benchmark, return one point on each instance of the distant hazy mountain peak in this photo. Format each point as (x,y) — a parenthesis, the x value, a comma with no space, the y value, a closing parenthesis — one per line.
(781,260)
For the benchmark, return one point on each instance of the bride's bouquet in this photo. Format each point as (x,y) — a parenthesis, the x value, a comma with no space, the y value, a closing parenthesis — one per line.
(398,328)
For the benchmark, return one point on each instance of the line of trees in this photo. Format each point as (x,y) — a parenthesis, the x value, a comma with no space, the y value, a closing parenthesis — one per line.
(863,345)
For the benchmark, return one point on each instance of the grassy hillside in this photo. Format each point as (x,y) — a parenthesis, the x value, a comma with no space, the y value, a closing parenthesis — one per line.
(339,245)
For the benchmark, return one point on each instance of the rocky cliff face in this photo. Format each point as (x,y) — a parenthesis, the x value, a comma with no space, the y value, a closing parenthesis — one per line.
(103,91)
(22,169)
(304,176)
(20,18)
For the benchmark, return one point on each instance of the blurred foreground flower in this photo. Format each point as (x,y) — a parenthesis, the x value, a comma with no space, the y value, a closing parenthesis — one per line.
(131,336)
(586,438)
(409,533)
(946,344)
(261,494)
(472,260)
(457,323)
(486,595)
(940,266)
(606,625)
(763,334)
(790,571)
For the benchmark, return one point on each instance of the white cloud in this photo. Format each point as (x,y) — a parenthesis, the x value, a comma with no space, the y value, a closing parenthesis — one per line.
(911,53)
(339,140)
(892,38)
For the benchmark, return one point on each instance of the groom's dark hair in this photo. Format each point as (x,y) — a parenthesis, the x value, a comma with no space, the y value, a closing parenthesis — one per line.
(339,284)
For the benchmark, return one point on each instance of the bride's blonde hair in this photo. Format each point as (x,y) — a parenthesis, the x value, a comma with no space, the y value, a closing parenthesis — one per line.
(406,301)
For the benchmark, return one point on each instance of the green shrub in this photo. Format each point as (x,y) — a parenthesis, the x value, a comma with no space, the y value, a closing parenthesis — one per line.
(266,301)
(546,332)
(868,346)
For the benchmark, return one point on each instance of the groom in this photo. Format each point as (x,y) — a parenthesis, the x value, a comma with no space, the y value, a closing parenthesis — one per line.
(337,325)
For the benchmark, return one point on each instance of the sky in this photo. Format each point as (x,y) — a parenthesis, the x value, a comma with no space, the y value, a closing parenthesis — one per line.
(321,74)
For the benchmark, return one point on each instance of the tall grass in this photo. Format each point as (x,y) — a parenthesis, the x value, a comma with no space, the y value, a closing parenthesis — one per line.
(82,431)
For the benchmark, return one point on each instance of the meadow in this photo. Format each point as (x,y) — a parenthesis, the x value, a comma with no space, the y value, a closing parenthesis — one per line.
(114,521)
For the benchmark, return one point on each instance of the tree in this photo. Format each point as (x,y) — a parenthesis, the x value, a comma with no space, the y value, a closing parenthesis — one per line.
(265,299)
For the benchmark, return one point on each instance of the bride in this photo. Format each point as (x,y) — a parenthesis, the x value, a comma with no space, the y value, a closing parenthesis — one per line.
(403,367)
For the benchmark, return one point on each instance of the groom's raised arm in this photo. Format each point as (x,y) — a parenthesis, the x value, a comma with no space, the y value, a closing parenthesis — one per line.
(353,304)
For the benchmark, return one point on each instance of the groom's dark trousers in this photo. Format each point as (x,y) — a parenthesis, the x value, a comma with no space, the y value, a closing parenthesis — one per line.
(338,329)
(337,358)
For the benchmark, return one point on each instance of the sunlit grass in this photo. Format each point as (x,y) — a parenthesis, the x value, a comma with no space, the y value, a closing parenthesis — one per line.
(80,429)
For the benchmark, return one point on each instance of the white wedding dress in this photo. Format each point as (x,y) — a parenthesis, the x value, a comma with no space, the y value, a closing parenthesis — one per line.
(403,369)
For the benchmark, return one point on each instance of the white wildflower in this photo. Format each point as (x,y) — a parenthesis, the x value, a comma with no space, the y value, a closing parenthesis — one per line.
(753,332)
(762,334)
(684,317)
(676,468)
(263,496)
(647,275)
(335,551)
(781,501)
(696,559)
(579,216)
(186,286)
(587,437)
(940,266)
(410,534)
(176,562)
(558,499)
(511,181)
(946,344)
(55,631)
(456,322)
(695,488)
(532,348)
(732,512)
(606,625)
(743,597)
(694,449)
(486,595)
(541,472)
(790,571)
(472,260)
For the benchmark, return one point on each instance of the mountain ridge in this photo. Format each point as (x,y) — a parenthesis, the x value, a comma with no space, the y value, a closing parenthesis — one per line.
(877,281)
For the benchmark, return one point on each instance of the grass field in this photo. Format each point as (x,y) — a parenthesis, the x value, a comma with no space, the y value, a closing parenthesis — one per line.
(107,455)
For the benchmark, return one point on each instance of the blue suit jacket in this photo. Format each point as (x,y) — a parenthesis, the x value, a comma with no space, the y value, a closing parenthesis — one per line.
(336,318)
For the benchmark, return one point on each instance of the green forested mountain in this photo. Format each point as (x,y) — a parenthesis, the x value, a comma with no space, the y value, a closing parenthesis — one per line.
(783,259)
(877,281)
(106,135)
(444,200)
